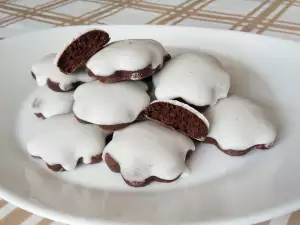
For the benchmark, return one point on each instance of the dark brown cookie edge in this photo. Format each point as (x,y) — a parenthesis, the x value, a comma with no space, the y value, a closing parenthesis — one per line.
(200,109)
(114,166)
(33,75)
(54,86)
(232,152)
(40,116)
(114,127)
(122,75)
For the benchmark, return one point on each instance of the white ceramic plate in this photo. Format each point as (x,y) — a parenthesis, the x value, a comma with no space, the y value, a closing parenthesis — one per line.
(220,189)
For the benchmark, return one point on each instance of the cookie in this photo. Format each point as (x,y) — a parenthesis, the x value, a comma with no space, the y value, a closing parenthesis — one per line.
(63,143)
(45,103)
(147,151)
(46,73)
(197,78)
(112,106)
(237,125)
(180,117)
(133,59)
(81,49)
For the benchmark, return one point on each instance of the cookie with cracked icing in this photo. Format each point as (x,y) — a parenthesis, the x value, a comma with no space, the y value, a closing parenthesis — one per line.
(147,151)
(197,78)
(132,59)
(80,49)
(111,106)
(178,116)
(46,73)
(237,125)
(63,143)
(45,103)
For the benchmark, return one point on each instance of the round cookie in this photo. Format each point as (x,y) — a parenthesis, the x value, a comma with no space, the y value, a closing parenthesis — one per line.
(112,106)
(63,143)
(46,73)
(180,117)
(80,49)
(132,59)
(237,125)
(197,78)
(147,151)
(46,103)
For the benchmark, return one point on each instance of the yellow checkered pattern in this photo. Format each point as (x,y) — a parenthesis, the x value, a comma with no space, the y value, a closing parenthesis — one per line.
(270,17)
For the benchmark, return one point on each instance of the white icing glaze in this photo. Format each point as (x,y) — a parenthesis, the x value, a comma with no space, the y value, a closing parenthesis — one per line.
(197,78)
(238,124)
(51,103)
(45,68)
(63,140)
(128,55)
(149,149)
(187,107)
(110,104)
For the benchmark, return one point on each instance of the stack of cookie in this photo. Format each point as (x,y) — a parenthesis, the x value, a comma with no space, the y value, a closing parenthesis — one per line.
(93,89)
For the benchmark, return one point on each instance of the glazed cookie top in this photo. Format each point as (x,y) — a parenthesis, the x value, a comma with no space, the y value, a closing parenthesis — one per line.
(148,149)
(238,124)
(199,79)
(45,69)
(127,55)
(63,140)
(110,104)
(51,103)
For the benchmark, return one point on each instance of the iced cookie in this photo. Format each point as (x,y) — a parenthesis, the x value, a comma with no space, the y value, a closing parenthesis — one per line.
(46,103)
(81,49)
(147,151)
(63,143)
(112,106)
(180,117)
(197,78)
(46,73)
(237,125)
(127,60)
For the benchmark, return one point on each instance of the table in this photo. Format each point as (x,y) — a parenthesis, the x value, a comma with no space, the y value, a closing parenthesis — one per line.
(278,18)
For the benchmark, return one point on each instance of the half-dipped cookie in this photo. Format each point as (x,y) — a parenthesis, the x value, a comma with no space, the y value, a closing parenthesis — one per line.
(63,143)
(237,125)
(45,103)
(180,117)
(147,151)
(80,49)
(111,106)
(133,59)
(46,73)
(197,78)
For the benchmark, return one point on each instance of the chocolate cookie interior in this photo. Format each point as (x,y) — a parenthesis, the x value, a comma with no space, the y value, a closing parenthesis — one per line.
(59,168)
(178,118)
(81,49)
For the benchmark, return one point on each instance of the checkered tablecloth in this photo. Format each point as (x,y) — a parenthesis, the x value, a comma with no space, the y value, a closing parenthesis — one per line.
(279,18)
